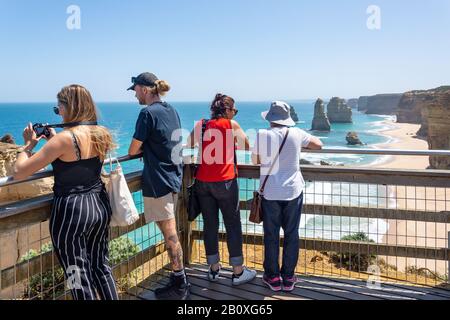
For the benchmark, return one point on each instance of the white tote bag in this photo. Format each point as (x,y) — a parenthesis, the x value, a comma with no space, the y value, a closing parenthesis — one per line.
(124,211)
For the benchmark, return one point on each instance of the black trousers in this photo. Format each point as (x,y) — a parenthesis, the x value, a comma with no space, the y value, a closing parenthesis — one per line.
(79,226)
(224,196)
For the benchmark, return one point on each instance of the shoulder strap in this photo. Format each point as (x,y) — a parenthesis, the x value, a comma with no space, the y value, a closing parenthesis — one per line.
(261,191)
(234,150)
(200,145)
(77,147)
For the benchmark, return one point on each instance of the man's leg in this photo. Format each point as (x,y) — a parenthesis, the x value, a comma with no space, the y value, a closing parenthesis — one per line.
(169,231)
(162,211)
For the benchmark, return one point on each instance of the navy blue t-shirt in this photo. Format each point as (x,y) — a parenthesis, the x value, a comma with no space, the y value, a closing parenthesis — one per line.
(162,173)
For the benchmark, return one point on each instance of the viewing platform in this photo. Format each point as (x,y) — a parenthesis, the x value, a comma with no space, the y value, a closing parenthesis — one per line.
(368,234)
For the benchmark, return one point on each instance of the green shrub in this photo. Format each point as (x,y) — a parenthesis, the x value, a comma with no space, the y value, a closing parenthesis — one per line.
(354,261)
(51,283)
(42,286)
(120,250)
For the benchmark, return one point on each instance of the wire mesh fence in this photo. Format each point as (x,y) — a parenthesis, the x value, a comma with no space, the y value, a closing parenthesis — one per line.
(392,232)
(388,225)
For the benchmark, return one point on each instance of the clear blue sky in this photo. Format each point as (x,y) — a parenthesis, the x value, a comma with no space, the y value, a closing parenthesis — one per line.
(252,49)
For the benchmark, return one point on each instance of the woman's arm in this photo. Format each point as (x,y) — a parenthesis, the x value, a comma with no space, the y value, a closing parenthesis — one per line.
(194,138)
(191,140)
(240,136)
(315,144)
(28,164)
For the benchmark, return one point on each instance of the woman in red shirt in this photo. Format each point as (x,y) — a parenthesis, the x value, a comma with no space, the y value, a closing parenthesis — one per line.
(217,186)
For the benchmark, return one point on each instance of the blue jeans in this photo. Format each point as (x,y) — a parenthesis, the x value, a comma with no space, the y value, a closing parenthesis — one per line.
(286,215)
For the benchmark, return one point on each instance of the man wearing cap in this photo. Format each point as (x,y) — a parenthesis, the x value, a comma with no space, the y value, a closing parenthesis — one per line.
(161,178)
(283,192)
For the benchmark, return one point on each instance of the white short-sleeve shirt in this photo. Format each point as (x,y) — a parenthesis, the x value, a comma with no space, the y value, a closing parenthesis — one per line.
(285,182)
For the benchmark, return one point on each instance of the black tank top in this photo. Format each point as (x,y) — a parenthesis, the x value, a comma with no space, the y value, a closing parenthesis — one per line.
(81,176)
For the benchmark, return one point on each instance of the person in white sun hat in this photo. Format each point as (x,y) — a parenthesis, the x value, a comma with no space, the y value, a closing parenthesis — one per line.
(282,193)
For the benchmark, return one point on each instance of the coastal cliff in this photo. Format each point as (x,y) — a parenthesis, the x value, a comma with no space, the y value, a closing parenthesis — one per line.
(413,107)
(8,156)
(362,103)
(436,116)
(383,103)
(338,111)
(15,244)
(352,103)
(320,121)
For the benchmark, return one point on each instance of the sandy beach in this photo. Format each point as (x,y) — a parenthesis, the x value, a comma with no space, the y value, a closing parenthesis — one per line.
(403,136)
(413,233)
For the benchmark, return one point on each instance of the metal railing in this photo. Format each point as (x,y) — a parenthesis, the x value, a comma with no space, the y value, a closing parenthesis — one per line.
(355,222)
(8,181)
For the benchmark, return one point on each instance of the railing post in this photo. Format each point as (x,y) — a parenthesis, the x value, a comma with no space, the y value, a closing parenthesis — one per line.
(185,225)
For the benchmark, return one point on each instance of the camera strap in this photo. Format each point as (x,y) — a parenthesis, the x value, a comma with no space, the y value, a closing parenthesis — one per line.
(73,124)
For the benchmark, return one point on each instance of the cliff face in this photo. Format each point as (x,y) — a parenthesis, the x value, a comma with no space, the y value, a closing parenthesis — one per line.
(362,103)
(320,121)
(436,113)
(15,244)
(413,107)
(352,103)
(8,156)
(338,111)
(383,103)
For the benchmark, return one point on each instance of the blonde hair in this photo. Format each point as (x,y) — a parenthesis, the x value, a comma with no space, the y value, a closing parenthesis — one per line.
(161,87)
(80,107)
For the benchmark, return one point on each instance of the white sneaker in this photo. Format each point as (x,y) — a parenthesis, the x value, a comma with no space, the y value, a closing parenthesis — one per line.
(246,276)
(213,276)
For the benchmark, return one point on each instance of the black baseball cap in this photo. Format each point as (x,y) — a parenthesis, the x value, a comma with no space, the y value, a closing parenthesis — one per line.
(144,79)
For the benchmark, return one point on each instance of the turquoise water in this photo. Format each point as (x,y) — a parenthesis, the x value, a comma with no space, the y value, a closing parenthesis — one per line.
(121,117)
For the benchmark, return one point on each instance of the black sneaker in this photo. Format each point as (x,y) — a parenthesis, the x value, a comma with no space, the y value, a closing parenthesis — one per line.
(174,290)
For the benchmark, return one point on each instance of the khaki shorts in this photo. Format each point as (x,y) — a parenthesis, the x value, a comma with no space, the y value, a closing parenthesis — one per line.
(160,209)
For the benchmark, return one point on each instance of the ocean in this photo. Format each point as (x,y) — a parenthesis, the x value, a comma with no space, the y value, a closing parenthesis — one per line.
(121,117)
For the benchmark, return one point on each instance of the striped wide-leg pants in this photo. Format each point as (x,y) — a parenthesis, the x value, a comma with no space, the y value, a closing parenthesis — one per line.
(79,227)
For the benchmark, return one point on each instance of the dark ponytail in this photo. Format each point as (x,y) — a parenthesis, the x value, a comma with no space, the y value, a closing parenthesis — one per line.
(220,104)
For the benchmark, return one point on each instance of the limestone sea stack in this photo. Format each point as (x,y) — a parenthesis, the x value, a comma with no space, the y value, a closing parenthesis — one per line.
(294,115)
(320,121)
(338,111)
(353,139)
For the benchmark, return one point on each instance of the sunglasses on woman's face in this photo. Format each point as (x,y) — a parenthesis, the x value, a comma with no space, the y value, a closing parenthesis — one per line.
(56,109)
(234,110)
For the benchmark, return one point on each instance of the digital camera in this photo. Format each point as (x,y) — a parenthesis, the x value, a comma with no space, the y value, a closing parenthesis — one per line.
(42,130)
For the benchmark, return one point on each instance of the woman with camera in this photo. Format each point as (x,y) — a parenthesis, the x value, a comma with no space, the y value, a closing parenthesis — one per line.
(81,211)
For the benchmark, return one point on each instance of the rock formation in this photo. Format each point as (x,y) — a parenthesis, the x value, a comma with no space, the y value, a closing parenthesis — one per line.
(338,111)
(294,115)
(14,244)
(352,103)
(353,139)
(412,107)
(383,103)
(7,138)
(8,155)
(362,103)
(436,114)
(320,121)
